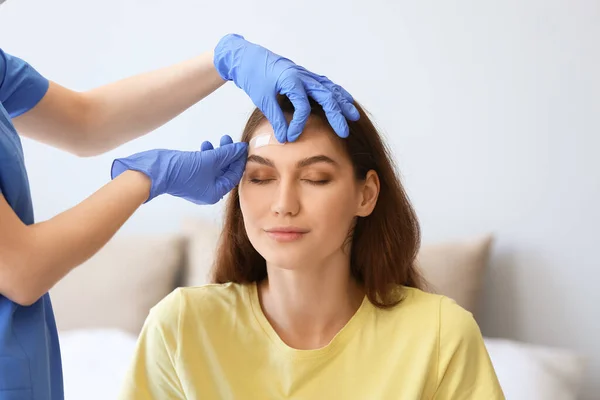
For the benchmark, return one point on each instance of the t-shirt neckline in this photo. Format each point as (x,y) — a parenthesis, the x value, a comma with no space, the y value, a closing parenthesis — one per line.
(339,340)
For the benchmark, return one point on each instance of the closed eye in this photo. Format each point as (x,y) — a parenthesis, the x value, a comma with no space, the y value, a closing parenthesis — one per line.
(260,181)
(309,181)
(317,183)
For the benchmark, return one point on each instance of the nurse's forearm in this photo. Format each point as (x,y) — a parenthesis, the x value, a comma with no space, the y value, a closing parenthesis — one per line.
(45,252)
(90,123)
(127,109)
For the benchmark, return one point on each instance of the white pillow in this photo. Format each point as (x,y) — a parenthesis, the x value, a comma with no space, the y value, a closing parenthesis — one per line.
(95,362)
(532,372)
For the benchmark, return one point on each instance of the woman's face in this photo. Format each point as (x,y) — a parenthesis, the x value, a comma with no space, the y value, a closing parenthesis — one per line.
(299,200)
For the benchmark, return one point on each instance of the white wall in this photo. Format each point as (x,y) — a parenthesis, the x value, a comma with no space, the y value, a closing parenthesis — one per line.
(492,110)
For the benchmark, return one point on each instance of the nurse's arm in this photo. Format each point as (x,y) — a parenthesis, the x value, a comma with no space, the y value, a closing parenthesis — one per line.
(33,258)
(93,122)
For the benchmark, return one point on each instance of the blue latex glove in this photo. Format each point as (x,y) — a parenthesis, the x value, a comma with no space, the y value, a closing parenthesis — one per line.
(202,177)
(263,74)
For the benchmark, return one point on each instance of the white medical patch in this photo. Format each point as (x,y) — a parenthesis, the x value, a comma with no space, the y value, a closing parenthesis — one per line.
(266,139)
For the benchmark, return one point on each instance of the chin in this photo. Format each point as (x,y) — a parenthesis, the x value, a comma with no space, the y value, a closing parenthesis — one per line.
(288,261)
(288,258)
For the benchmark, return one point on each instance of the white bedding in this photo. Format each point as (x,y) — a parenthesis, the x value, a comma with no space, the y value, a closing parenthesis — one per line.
(94,362)
(531,372)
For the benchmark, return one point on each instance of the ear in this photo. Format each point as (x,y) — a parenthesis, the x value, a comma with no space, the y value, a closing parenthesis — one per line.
(368,195)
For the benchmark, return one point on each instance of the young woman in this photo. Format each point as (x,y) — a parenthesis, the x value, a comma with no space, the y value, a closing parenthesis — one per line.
(316,294)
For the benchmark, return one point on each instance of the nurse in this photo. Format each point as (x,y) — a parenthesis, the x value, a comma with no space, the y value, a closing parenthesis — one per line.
(35,256)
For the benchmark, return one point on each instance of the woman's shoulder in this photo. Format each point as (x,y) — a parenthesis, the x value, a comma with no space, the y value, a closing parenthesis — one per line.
(435,310)
(464,368)
(204,299)
(420,298)
(214,292)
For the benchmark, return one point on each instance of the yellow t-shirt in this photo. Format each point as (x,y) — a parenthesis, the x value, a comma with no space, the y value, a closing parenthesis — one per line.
(214,342)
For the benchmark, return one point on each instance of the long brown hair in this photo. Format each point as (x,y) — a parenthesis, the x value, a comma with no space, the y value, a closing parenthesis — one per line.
(384,245)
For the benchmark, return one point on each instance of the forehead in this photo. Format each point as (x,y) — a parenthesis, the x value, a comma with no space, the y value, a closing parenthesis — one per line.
(317,137)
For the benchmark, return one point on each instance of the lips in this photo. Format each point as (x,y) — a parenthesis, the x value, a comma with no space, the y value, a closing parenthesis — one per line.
(286,233)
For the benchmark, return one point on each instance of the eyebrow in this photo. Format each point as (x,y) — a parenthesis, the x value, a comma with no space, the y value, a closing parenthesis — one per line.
(301,164)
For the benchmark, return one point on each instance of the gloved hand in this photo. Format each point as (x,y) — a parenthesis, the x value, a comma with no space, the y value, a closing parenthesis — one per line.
(202,177)
(263,74)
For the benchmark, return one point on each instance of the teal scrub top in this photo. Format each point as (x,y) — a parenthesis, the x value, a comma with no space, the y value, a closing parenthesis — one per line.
(30,363)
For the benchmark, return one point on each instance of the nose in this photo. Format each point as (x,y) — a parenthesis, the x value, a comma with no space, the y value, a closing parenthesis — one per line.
(286,201)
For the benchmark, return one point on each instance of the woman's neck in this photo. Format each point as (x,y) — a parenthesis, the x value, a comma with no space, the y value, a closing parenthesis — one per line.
(308,306)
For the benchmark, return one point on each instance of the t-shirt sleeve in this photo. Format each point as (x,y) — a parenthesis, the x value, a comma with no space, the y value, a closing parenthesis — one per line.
(465,370)
(21,86)
(152,373)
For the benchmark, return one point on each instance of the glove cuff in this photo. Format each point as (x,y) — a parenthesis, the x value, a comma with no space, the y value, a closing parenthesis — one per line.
(225,53)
